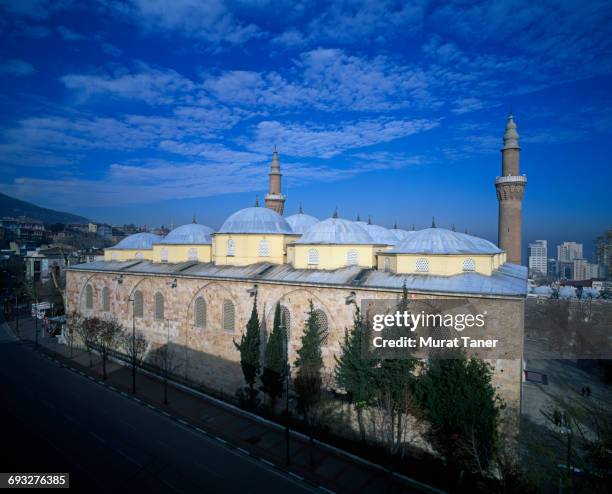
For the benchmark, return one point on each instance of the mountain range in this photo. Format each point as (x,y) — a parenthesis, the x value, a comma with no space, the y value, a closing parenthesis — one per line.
(9,206)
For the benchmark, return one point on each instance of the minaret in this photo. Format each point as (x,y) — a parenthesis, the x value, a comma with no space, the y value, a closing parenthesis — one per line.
(510,189)
(274,199)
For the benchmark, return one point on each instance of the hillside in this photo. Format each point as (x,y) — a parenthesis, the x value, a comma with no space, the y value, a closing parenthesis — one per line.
(9,206)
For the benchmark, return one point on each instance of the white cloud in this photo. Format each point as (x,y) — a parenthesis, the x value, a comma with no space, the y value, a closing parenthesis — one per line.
(16,67)
(327,141)
(209,20)
(69,35)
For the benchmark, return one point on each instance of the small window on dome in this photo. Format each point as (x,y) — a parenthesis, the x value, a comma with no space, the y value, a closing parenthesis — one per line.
(264,248)
(164,255)
(139,255)
(231,248)
(313,257)
(469,265)
(422,265)
(352,258)
(192,254)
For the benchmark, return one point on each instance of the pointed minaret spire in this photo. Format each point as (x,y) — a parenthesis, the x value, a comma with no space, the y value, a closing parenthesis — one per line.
(453,228)
(358,217)
(395,225)
(193,220)
(433,222)
(256,201)
(301,211)
(369,220)
(275,200)
(511,136)
(413,227)
(335,215)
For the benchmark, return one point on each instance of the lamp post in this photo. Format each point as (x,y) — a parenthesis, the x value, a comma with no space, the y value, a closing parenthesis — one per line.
(35,312)
(133,300)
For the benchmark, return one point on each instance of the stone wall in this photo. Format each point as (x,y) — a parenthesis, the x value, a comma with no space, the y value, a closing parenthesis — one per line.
(208,355)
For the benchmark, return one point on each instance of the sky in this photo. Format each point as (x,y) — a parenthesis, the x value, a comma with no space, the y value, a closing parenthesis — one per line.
(152,111)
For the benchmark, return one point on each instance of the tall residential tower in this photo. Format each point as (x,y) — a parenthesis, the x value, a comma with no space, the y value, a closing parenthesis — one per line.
(510,187)
(274,199)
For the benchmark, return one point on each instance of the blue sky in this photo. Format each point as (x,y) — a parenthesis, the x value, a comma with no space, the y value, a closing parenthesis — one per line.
(150,111)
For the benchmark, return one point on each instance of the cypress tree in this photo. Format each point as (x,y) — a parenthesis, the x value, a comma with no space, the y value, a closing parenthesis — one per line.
(249,350)
(275,360)
(309,363)
(353,372)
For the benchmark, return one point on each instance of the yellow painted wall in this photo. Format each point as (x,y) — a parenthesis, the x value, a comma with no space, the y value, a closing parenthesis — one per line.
(441,265)
(180,253)
(334,256)
(247,248)
(126,254)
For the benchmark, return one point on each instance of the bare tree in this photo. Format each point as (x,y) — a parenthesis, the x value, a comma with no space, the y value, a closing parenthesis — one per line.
(135,346)
(107,338)
(71,329)
(87,331)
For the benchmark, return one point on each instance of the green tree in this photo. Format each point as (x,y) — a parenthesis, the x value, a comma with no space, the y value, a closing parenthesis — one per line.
(249,352)
(463,409)
(275,360)
(354,373)
(309,364)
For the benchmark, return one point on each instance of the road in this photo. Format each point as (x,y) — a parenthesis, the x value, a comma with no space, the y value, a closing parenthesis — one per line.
(56,420)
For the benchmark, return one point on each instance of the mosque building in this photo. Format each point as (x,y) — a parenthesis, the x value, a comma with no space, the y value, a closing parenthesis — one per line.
(194,286)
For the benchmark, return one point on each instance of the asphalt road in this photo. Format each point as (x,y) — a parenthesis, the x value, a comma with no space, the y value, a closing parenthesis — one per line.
(54,420)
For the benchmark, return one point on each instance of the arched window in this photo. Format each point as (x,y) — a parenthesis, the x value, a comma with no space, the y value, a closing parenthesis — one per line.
(231,247)
(352,258)
(264,248)
(89,297)
(159,306)
(285,321)
(164,255)
(139,255)
(114,256)
(105,299)
(192,254)
(313,257)
(469,265)
(199,312)
(228,316)
(321,321)
(422,265)
(138,304)
(387,265)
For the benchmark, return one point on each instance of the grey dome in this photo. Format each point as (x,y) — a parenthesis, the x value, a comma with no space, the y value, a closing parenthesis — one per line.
(301,222)
(401,234)
(380,234)
(442,241)
(138,241)
(191,233)
(256,220)
(336,231)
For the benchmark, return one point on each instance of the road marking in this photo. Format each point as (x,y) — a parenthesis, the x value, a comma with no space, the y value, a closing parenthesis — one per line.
(183,422)
(244,451)
(296,475)
(125,455)
(166,414)
(268,462)
(222,441)
(128,424)
(102,440)
(138,400)
(151,407)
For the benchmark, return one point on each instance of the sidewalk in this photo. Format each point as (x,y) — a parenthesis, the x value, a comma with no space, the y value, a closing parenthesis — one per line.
(318,464)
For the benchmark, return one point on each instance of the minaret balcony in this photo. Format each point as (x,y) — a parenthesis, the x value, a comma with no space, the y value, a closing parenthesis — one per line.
(511,179)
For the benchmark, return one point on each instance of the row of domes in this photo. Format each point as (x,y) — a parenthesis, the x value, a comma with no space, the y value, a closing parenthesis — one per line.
(259,220)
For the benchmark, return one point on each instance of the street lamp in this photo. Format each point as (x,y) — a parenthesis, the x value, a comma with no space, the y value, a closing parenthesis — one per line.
(132,299)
